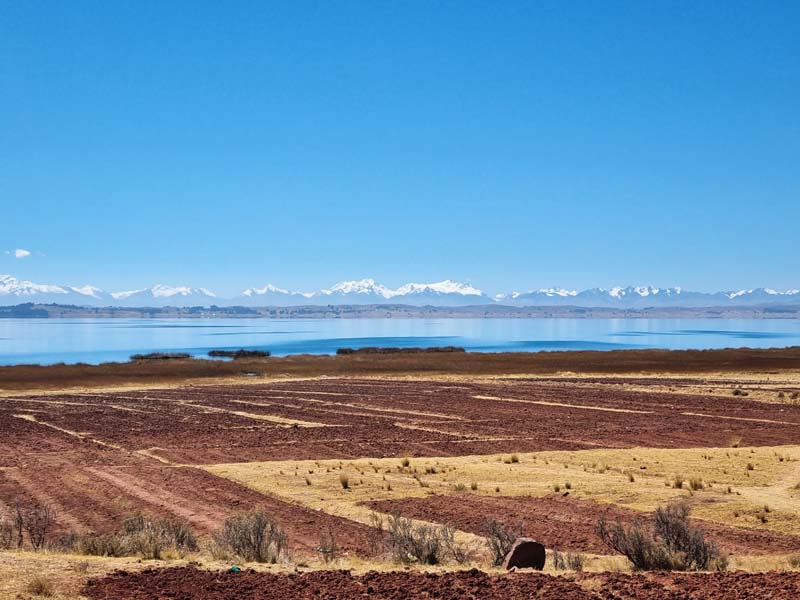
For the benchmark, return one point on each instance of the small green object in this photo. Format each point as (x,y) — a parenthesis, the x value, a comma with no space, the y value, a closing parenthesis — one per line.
(235,569)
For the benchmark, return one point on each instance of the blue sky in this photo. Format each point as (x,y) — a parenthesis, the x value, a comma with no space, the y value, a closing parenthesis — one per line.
(513,145)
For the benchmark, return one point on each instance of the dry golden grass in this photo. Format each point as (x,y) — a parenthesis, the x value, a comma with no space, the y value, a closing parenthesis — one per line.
(598,475)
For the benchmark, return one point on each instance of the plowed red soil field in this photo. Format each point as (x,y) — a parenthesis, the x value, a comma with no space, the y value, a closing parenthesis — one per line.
(567,523)
(99,456)
(188,583)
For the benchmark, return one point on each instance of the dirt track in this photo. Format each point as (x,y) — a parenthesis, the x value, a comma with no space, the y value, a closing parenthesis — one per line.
(187,583)
(567,523)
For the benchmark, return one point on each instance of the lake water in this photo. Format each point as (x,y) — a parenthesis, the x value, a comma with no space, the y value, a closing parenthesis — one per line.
(46,341)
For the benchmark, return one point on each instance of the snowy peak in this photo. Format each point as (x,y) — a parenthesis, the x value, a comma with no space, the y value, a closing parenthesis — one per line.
(267,289)
(369,291)
(362,286)
(162,295)
(12,286)
(88,290)
(647,296)
(442,287)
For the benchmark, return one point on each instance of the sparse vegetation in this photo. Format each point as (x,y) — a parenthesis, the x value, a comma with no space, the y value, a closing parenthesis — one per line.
(40,586)
(253,536)
(161,356)
(571,561)
(28,520)
(500,538)
(328,548)
(344,481)
(696,483)
(672,545)
(140,535)
(424,544)
(238,354)
(374,350)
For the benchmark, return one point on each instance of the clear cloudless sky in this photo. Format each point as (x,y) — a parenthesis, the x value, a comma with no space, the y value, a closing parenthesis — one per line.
(514,145)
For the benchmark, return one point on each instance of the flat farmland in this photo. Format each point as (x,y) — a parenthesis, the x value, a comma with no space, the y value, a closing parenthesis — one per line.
(552,453)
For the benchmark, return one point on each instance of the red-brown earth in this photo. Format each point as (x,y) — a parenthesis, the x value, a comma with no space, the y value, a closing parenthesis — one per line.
(567,523)
(189,583)
(99,456)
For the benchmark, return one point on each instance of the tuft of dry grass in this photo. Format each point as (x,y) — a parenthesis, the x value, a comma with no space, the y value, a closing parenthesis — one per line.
(40,586)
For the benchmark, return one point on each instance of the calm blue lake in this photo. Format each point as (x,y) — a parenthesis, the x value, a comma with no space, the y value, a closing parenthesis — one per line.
(46,341)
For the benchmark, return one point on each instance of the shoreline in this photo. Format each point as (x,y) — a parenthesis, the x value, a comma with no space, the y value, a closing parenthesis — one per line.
(400,311)
(29,378)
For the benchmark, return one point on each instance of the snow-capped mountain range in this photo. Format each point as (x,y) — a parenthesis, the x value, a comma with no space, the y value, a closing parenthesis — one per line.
(368,291)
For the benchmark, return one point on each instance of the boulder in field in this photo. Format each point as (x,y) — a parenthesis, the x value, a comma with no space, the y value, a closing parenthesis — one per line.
(525,554)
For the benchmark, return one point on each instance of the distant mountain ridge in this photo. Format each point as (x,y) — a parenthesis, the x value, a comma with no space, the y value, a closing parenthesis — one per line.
(368,291)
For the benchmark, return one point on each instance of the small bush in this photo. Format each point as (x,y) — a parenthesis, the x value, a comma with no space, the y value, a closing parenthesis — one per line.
(35,520)
(425,544)
(673,544)
(739,392)
(750,466)
(696,483)
(473,486)
(328,548)
(253,536)
(500,539)
(571,561)
(677,482)
(457,552)
(794,561)
(405,463)
(150,537)
(344,480)
(101,545)
(6,533)
(40,586)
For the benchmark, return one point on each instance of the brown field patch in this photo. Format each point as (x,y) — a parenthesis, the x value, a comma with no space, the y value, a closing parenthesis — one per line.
(190,582)
(566,523)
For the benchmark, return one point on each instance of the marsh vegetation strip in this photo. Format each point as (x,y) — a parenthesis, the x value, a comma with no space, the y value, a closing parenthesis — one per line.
(622,362)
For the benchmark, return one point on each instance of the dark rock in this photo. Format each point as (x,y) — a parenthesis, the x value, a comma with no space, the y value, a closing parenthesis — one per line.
(525,554)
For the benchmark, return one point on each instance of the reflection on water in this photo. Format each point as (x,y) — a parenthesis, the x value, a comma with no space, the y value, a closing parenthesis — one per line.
(93,341)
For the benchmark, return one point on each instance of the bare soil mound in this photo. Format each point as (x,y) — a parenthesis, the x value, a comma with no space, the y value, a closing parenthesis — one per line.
(567,523)
(187,583)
